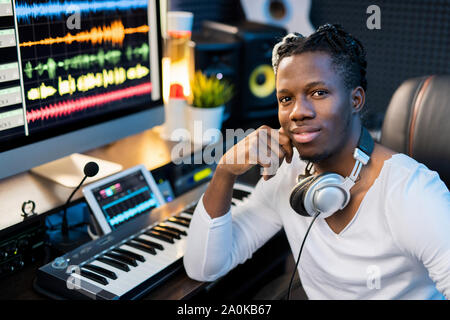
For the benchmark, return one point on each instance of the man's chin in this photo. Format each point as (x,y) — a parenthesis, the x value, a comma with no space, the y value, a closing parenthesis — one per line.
(313,157)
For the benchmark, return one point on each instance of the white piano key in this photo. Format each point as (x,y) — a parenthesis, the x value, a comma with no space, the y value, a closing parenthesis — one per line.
(243,187)
(113,286)
(237,201)
(171,250)
(155,260)
(185,215)
(125,280)
(175,225)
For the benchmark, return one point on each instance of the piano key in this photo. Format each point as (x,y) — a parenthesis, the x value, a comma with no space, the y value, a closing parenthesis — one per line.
(93,276)
(101,271)
(186,219)
(175,225)
(122,258)
(240,194)
(178,230)
(112,286)
(154,260)
(142,247)
(177,221)
(130,254)
(149,243)
(121,274)
(114,263)
(172,251)
(236,202)
(160,236)
(190,210)
(243,187)
(127,280)
(167,232)
(184,215)
(144,270)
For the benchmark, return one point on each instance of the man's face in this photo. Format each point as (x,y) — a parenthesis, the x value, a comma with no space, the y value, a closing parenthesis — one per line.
(314,107)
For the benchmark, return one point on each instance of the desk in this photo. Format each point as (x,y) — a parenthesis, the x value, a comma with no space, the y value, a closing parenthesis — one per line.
(148,149)
(145,148)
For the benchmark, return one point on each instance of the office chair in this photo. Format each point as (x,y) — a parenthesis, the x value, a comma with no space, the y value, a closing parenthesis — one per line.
(417,122)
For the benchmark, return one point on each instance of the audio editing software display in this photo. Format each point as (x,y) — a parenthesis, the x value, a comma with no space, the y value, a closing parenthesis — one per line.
(125,198)
(67,63)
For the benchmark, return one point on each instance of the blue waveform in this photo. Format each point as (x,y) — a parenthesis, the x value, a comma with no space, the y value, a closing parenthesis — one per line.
(55,9)
(127,214)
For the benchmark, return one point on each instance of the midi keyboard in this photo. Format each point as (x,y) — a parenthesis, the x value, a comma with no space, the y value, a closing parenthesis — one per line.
(130,261)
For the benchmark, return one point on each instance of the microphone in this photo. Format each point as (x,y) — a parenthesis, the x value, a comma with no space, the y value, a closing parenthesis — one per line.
(90,170)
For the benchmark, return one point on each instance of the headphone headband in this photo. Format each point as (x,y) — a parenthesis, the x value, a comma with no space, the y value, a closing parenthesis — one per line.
(365,142)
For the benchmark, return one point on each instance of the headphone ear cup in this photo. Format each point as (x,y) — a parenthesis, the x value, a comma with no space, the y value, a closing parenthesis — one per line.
(298,195)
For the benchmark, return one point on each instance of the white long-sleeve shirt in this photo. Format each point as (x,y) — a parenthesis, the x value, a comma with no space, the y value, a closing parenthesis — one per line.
(397,246)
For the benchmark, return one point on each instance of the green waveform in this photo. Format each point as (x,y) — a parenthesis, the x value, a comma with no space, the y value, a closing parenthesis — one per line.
(86,61)
(141,52)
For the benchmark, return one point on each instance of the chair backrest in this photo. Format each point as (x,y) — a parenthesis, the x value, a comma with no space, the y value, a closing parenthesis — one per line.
(417,122)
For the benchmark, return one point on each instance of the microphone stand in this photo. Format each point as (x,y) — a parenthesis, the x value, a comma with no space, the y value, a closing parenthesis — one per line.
(64,241)
(65,224)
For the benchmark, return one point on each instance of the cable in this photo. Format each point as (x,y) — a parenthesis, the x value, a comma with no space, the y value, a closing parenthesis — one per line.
(299,254)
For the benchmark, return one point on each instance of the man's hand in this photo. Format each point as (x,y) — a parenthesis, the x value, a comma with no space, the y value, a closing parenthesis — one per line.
(266,146)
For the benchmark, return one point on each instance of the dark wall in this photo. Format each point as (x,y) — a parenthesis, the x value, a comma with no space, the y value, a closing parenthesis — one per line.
(214,10)
(414,40)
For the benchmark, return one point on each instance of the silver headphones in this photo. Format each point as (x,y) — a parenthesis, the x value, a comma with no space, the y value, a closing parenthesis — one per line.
(328,192)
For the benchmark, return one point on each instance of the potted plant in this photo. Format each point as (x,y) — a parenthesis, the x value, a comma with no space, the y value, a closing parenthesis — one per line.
(205,113)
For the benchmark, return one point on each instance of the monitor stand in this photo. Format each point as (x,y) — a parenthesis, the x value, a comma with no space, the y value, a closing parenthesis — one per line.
(68,171)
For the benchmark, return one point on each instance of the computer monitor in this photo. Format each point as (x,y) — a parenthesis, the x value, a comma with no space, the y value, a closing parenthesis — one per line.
(75,75)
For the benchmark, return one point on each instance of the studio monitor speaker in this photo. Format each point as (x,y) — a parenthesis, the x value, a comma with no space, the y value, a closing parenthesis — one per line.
(255,73)
(218,54)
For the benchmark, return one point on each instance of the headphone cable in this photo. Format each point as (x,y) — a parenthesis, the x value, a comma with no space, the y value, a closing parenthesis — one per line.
(299,254)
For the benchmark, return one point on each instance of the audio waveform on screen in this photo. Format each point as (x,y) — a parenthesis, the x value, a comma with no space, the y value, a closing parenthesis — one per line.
(69,107)
(86,61)
(89,81)
(114,33)
(55,9)
(130,213)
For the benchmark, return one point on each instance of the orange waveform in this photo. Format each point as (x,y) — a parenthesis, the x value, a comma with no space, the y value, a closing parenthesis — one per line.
(114,33)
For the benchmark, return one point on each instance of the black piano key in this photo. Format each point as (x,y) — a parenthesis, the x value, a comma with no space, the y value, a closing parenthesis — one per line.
(167,232)
(240,194)
(188,220)
(130,254)
(160,236)
(150,243)
(190,210)
(142,247)
(114,263)
(179,231)
(93,276)
(100,270)
(177,221)
(233,203)
(122,258)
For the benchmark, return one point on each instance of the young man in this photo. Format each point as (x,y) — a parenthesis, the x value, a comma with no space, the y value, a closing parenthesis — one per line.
(391,241)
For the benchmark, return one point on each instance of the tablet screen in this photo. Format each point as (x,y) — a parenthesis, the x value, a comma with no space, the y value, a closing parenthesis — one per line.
(122,197)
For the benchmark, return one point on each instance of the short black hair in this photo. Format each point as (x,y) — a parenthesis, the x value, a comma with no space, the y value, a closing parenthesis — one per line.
(347,52)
